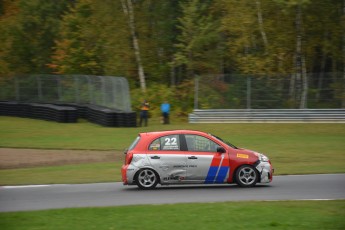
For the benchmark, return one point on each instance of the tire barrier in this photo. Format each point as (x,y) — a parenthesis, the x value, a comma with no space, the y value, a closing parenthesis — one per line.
(49,112)
(110,117)
(69,113)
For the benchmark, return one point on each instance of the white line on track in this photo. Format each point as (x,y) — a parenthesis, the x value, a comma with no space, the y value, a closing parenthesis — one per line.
(25,186)
(303,200)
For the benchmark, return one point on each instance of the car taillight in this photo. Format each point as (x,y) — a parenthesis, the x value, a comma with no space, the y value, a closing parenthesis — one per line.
(129,157)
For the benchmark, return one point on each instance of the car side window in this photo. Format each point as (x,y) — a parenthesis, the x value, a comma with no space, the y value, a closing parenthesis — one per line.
(169,143)
(200,144)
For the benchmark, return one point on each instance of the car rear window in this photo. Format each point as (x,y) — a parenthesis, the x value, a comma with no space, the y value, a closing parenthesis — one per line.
(135,142)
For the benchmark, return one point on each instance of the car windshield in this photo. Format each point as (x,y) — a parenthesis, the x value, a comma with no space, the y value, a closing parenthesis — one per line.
(226,142)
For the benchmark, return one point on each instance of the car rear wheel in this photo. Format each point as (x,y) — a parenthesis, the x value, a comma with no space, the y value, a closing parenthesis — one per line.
(246,176)
(147,179)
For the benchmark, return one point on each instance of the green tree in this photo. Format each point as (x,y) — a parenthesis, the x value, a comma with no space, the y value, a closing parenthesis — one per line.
(77,50)
(254,32)
(108,28)
(8,14)
(156,24)
(127,6)
(197,39)
(29,33)
(105,33)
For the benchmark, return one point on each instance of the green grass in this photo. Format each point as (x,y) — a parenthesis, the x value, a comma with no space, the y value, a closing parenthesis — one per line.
(228,215)
(66,174)
(292,148)
(30,133)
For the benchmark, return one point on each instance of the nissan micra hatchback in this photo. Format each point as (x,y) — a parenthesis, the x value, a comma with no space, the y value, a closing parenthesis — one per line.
(191,157)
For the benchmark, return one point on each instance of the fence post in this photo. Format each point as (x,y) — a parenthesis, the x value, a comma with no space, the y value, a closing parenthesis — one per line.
(90,88)
(17,90)
(249,93)
(76,89)
(196,91)
(39,87)
(103,82)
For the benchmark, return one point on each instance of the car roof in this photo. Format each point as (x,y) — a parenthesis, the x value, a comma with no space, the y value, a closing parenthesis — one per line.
(172,132)
(147,137)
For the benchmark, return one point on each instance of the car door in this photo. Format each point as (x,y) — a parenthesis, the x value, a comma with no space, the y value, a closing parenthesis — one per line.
(167,159)
(204,163)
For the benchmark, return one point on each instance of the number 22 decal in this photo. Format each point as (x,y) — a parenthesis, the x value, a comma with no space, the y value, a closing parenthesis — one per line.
(170,141)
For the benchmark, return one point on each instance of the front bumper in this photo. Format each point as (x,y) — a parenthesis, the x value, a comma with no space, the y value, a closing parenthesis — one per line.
(266,172)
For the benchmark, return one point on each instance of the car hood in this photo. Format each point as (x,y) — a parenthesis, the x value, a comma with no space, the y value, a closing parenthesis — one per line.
(245,154)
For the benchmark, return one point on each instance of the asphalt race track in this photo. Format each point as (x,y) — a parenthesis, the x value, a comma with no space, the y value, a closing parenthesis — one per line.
(39,197)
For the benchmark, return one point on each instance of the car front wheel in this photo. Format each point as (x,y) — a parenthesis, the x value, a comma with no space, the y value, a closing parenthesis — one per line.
(246,176)
(147,179)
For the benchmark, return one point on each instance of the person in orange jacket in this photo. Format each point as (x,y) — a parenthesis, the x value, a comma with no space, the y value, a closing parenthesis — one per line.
(144,112)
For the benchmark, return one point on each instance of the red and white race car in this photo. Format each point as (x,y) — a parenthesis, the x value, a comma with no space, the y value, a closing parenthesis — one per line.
(191,157)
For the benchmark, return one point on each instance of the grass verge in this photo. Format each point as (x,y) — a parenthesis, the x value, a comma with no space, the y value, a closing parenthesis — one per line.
(228,215)
(66,174)
(292,148)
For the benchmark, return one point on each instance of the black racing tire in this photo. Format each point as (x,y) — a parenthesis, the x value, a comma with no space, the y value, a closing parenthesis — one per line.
(146,178)
(246,176)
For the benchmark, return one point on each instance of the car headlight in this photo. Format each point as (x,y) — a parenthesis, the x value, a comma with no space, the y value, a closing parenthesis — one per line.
(263,158)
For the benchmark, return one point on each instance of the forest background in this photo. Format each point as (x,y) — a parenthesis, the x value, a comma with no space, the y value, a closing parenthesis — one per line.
(164,46)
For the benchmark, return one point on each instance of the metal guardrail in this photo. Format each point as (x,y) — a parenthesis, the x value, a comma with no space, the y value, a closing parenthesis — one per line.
(268,115)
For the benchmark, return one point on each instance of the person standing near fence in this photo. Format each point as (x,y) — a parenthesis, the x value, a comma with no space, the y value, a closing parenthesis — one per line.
(144,112)
(165,108)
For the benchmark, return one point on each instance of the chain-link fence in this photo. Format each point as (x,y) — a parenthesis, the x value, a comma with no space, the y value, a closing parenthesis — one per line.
(107,91)
(268,92)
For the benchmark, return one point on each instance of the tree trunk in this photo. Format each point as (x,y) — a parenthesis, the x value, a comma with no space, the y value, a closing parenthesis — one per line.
(128,10)
(292,92)
(322,72)
(343,95)
(292,85)
(301,72)
(304,96)
(172,74)
(261,24)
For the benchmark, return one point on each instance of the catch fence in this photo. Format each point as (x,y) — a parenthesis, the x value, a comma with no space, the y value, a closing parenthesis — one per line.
(234,91)
(106,91)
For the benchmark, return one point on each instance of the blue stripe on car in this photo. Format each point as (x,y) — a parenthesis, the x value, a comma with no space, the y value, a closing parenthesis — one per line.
(223,171)
(211,175)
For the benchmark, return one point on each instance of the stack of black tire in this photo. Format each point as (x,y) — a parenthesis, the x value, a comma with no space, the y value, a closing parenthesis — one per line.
(110,117)
(48,112)
(69,113)
(56,113)
(102,116)
(129,119)
(14,109)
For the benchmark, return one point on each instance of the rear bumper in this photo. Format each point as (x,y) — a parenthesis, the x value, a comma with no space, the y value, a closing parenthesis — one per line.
(128,174)
(124,174)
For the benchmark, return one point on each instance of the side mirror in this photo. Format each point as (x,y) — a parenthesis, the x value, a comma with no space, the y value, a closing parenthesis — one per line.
(125,152)
(220,149)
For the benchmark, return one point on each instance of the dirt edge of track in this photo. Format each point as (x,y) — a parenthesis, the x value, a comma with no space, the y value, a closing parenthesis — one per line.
(11,158)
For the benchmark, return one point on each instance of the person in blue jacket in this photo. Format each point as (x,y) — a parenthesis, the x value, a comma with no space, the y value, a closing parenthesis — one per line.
(165,108)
